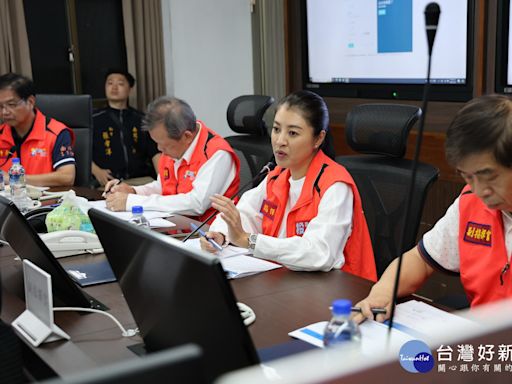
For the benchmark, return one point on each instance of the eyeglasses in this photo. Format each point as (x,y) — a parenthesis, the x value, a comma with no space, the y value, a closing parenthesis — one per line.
(11,105)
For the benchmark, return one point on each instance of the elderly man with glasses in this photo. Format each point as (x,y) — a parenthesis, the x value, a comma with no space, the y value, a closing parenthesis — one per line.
(43,144)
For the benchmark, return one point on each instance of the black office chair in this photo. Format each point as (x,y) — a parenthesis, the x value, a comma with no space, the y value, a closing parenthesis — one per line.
(253,147)
(382,175)
(75,111)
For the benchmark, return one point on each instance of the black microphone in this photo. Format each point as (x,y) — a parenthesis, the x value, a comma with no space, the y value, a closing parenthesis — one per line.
(256,179)
(432,12)
(12,151)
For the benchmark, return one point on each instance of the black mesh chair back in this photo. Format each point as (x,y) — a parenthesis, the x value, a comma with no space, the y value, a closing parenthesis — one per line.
(382,175)
(75,111)
(253,147)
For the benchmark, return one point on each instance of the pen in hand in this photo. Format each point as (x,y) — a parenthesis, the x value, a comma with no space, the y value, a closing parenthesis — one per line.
(203,234)
(375,311)
(119,181)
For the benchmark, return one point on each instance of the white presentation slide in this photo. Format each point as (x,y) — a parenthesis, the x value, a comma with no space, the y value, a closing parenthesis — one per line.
(384,41)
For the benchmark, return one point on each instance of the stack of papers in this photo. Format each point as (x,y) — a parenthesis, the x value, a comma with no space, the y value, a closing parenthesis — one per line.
(420,319)
(243,265)
(155,218)
(236,261)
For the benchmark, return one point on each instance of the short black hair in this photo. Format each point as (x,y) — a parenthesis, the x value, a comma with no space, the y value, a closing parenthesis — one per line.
(484,124)
(128,76)
(21,85)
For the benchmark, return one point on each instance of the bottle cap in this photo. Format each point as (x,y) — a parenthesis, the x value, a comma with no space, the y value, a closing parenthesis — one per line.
(15,160)
(341,307)
(137,209)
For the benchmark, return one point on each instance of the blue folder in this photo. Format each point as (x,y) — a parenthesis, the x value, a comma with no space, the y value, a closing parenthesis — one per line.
(91,274)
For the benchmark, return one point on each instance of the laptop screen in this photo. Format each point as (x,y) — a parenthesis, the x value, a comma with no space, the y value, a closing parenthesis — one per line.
(176,295)
(23,239)
(175,365)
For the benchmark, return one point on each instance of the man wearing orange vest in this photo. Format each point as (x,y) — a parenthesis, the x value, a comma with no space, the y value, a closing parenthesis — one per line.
(474,238)
(43,144)
(195,164)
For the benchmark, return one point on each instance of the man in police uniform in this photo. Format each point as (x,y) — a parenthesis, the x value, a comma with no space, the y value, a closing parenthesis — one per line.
(43,144)
(474,238)
(120,148)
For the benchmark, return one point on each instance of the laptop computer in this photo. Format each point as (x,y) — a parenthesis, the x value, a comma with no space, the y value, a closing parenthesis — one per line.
(24,240)
(176,294)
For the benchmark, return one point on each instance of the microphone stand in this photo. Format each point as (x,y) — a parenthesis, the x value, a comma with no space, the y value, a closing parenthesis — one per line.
(408,204)
(266,169)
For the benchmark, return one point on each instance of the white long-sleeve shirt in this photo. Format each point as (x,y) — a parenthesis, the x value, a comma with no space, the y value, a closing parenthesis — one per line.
(215,176)
(321,246)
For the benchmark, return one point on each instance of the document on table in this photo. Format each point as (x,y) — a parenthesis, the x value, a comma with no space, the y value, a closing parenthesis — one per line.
(237,263)
(421,319)
(374,336)
(152,216)
(159,222)
(413,320)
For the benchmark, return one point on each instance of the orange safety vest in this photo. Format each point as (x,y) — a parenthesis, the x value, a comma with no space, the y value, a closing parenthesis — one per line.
(482,250)
(322,173)
(37,149)
(208,143)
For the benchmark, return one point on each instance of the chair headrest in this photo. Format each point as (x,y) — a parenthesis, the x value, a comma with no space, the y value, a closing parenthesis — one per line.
(380,128)
(75,111)
(245,114)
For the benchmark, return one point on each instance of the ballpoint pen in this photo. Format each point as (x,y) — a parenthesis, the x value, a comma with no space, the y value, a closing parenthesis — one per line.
(119,181)
(211,241)
(375,311)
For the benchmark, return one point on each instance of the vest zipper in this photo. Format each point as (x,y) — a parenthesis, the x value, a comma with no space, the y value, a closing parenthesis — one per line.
(503,271)
(123,145)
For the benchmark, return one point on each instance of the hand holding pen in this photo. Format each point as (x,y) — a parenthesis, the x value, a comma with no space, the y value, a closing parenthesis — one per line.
(377,306)
(212,242)
(375,311)
(111,184)
(117,185)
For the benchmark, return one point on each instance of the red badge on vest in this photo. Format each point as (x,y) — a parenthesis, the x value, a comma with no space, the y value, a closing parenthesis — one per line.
(166,173)
(478,233)
(268,209)
(300,227)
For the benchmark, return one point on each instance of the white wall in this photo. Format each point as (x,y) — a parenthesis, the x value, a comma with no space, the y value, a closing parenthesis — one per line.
(208,55)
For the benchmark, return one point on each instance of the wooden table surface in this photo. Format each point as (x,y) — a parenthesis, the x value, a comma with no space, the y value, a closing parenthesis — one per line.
(282,300)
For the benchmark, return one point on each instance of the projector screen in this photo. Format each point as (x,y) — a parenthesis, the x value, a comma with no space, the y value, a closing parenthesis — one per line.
(378,48)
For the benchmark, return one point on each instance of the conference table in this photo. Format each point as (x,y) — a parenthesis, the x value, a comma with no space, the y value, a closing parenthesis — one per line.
(283,300)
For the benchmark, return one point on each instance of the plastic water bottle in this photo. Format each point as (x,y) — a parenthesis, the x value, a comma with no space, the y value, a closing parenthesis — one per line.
(341,329)
(138,217)
(17,184)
